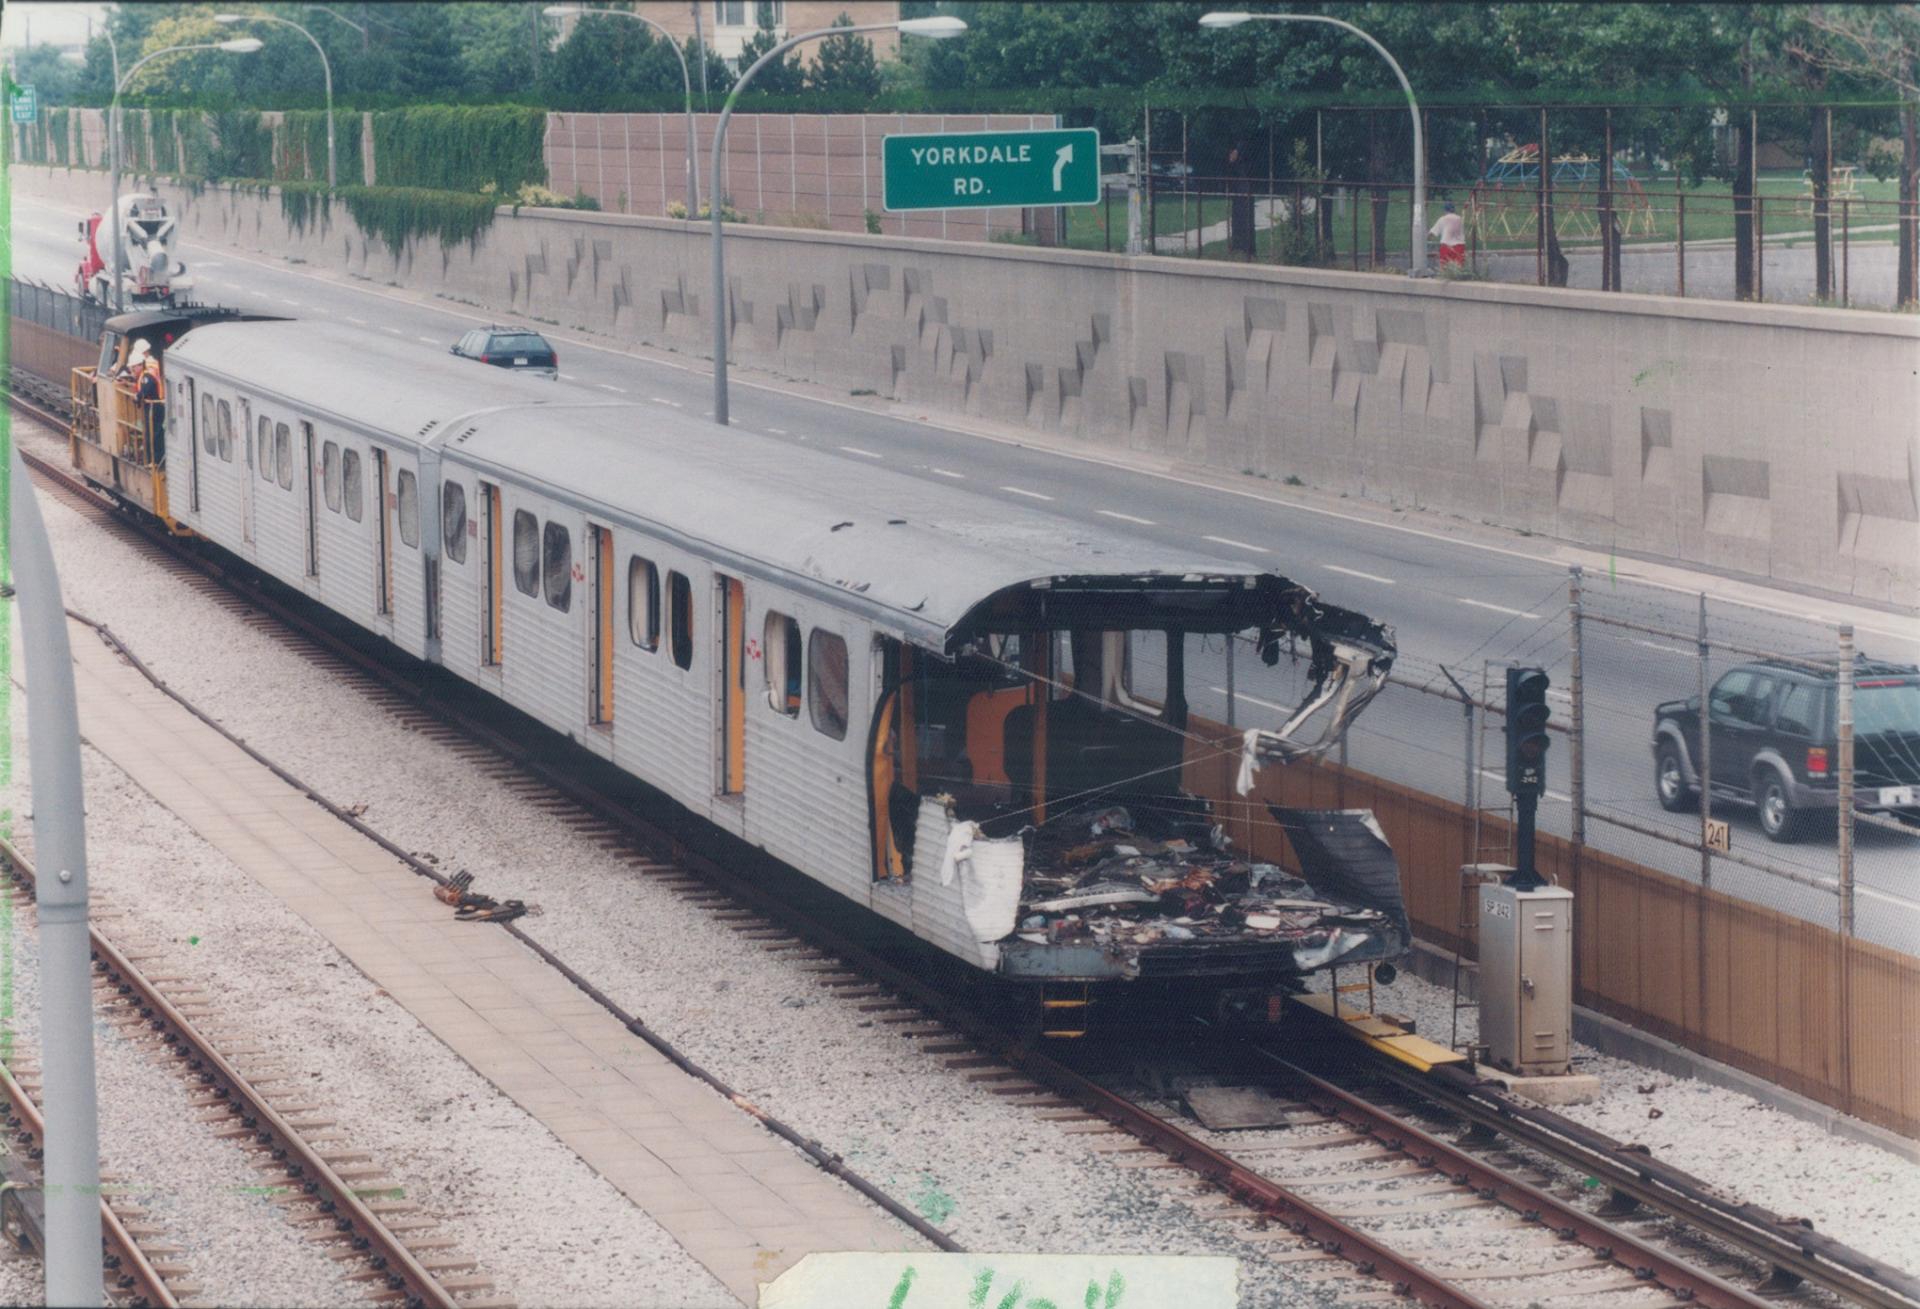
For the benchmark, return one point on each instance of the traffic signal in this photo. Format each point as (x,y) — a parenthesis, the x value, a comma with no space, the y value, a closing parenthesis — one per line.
(1527,742)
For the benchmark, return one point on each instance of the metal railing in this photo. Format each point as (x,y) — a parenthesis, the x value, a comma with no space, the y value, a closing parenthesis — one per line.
(1840,250)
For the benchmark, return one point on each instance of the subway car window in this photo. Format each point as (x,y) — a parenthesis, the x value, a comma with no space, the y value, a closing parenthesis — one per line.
(350,483)
(210,429)
(556,565)
(680,605)
(265,460)
(526,552)
(330,470)
(409,498)
(453,520)
(643,602)
(827,683)
(283,455)
(226,432)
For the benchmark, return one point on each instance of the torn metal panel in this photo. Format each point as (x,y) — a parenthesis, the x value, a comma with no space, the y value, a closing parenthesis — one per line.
(1344,854)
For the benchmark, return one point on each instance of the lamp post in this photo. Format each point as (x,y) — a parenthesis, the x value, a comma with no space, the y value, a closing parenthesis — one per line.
(937,28)
(686,81)
(244,45)
(1417,247)
(326,69)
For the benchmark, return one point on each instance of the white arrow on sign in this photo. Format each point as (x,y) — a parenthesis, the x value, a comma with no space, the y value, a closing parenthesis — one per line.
(1061,158)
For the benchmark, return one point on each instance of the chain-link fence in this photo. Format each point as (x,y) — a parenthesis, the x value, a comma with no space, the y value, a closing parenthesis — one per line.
(61,311)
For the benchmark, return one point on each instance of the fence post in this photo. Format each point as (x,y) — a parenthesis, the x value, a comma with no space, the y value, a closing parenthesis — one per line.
(1759,241)
(1844,815)
(1846,251)
(1230,696)
(1705,736)
(1578,754)
(1680,236)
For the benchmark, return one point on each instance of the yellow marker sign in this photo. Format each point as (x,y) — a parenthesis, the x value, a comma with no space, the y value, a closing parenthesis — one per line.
(1719,836)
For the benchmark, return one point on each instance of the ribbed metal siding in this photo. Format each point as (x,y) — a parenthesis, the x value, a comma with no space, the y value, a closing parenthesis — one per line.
(543,651)
(663,717)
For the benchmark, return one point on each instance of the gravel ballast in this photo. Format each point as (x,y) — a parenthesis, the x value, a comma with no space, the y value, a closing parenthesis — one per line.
(992,1175)
(543,1225)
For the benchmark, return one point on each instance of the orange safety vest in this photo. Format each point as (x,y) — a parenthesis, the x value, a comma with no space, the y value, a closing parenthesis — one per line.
(159,381)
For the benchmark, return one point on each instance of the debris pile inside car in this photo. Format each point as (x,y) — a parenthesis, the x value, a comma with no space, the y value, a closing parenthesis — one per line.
(1108,876)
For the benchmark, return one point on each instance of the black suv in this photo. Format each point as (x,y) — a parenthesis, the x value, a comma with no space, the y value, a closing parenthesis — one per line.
(1775,738)
(516,348)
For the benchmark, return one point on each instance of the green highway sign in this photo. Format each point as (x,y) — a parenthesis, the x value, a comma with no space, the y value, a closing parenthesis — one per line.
(979,170)
(26,105)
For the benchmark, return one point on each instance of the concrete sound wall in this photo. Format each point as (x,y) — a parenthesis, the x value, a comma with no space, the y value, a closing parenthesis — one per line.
(1774,441)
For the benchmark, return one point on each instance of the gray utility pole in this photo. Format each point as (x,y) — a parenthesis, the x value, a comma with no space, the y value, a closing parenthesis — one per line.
(936,27)
(1417,248)
(246,45)
(700,42)
(686,81)
(60,851)
(326,70)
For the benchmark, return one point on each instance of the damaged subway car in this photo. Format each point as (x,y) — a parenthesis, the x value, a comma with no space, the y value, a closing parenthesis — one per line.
(967,715)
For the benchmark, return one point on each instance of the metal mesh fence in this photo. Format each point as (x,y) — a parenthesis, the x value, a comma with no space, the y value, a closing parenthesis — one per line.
(61,311)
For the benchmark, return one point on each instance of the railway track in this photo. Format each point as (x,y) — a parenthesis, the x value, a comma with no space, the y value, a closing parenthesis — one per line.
(335,1192)
(1269,1203)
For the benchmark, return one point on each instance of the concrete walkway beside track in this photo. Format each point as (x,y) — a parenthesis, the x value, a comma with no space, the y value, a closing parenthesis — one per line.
(737,1198)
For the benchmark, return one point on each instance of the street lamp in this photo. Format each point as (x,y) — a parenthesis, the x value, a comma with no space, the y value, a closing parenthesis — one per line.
(1417,249)
(686,80)
(326,69)
(938,28)
(244,45)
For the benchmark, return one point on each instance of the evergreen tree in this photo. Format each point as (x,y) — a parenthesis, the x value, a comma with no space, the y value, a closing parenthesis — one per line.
(784,76)
(846,65)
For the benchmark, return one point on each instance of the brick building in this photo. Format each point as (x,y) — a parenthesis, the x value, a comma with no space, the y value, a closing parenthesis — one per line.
(728,24)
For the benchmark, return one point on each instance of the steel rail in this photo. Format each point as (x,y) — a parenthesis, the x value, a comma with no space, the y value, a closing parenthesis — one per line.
(1152,1129)
(352,1218)
(1789,1245)
(1647,1262)
(133,1276)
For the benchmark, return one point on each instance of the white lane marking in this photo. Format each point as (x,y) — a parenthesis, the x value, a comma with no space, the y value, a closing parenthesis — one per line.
(948,472)
(1239,696)
(283,300)
(1125,518)
(357,322)
(1355,572)
(777,431)
(430,340)
(1237,545)
(1551,795)
(1664,649)
(609,386)
(396,331)
(864,454)
(1499,609)
(1031,495)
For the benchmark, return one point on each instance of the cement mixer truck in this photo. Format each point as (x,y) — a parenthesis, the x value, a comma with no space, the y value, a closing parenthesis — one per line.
(152,276)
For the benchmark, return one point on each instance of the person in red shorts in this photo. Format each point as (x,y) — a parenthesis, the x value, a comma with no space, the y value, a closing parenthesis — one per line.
(1451,230)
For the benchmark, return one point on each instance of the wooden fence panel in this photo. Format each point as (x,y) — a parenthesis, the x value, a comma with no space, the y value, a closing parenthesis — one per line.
(1834,1019)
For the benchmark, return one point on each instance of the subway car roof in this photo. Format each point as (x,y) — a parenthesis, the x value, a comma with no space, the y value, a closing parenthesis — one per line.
(934,562)
(369,380)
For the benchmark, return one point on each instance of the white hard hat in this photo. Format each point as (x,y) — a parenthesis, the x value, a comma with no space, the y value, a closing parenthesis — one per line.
(139,348)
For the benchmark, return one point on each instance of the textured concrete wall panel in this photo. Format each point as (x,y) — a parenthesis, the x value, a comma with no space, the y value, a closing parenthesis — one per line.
(1770,440)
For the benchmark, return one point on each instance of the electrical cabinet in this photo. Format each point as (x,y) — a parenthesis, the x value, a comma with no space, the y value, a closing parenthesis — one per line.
(1526,978)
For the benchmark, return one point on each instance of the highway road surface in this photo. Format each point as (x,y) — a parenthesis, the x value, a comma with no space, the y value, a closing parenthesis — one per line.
(1456,600)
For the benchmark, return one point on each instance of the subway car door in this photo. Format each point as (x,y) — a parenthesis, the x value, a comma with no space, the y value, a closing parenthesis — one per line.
(313,518)
(732,595)
(600,684)
(383,543)
(247,473)
(491,560)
